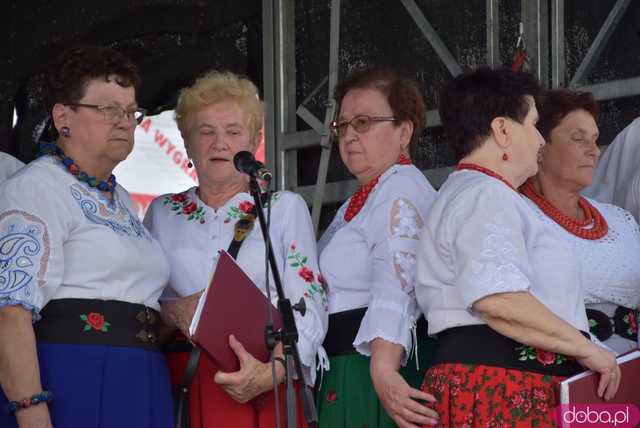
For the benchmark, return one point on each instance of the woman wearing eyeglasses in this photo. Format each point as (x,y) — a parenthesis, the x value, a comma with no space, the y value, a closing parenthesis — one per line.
(368,260)
(80,276)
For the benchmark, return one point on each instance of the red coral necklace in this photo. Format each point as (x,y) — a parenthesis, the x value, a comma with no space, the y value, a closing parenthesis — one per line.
(360,197)
(599,227)
(487,171)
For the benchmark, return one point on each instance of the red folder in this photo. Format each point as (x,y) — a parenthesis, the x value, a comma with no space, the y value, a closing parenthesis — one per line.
(232,304)
(583,388)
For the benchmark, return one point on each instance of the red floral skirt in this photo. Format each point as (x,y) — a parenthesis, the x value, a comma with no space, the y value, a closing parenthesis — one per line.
(474,396)
(211,407)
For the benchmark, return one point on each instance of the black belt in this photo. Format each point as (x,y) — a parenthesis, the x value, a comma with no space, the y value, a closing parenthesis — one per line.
(344,326)
(177,343)
(481,345)
(624,323)
(98,322)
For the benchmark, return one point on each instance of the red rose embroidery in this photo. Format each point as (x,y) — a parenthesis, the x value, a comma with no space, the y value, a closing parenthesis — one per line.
(517,400)
(306,274)
(544,357)
(180,197)
(95,320)
(526,406)
(539,394)
(323,283)
(332,396)
(541,406)
(246,207)
(632,322)
(190,208)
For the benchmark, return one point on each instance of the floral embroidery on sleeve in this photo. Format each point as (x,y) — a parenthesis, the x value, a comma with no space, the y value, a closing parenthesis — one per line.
(317,285)
(499,256)
(181,204)
(405,223)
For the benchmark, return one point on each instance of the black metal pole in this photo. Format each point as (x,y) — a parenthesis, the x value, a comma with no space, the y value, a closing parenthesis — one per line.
(289,334)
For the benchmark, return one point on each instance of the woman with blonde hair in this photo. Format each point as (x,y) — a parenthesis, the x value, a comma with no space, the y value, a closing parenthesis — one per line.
(219,116)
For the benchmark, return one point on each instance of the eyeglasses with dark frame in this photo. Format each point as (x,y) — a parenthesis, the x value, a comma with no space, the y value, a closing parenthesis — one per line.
(114,113)
(361,123)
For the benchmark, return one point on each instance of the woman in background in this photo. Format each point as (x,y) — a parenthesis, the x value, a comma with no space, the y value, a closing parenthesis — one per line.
(605,237)
(8,166)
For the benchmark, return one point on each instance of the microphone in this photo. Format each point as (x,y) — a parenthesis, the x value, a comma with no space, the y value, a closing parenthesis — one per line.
(245,162)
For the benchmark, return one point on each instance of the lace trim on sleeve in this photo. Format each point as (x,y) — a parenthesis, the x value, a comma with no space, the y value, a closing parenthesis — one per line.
(406,224)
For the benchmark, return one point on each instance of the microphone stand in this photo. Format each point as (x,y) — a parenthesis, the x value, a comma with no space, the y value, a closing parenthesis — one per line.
(289,333)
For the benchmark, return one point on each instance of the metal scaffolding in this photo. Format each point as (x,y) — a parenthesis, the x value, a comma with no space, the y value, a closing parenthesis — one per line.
(543,26)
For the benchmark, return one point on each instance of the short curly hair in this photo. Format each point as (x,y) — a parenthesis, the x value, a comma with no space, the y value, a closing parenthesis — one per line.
(219,86)
(404,96)
(554,105)
(70,73)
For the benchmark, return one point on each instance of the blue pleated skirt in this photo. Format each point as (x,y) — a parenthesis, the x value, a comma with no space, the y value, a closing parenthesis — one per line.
(102,387)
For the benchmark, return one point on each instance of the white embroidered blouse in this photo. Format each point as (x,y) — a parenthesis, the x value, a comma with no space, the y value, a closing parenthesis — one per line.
(8,166)
(610,272)
(482,238)
(59,238)
(370,261)
(191,234)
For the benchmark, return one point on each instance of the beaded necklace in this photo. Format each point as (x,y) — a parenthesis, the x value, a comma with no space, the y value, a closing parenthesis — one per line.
(576,227)
(108,185)
(487,171)
(360,197)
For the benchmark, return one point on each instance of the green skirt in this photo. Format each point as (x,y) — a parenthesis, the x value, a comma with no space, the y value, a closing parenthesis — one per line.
(346,398)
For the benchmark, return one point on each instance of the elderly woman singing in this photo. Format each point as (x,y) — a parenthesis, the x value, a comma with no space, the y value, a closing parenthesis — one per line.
(218,116)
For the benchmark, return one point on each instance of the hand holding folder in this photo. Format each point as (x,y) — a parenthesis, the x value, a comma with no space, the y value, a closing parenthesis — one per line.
(582,388)
(232,304)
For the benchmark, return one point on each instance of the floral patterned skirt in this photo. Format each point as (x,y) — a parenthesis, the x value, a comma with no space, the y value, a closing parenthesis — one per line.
(474,396)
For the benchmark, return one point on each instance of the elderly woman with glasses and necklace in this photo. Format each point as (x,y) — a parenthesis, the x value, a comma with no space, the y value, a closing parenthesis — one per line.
(80,276)
(367,256)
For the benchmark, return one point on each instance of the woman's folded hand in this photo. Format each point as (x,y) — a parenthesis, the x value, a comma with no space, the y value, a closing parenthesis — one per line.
(253,378)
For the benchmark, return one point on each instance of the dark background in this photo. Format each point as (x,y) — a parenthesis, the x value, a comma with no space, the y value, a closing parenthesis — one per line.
(174,41)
